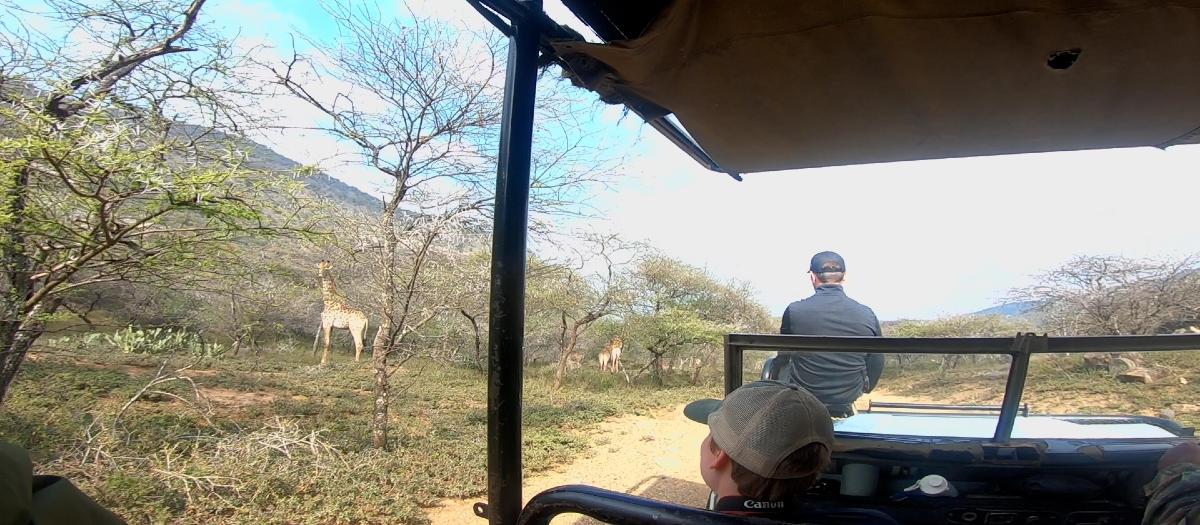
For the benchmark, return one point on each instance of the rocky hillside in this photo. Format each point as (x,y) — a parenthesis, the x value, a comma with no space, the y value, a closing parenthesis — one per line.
(321,183)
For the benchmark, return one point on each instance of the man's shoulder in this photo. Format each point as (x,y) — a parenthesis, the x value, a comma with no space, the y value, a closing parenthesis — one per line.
(863,307)
(817,300)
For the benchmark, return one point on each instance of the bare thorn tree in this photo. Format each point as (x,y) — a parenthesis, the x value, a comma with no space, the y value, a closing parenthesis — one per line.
(1112,295)
(421,103)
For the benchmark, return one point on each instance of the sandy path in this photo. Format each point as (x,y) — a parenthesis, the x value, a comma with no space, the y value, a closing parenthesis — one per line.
(654,456)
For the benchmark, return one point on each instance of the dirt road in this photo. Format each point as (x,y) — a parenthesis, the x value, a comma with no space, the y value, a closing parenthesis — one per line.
(654,456)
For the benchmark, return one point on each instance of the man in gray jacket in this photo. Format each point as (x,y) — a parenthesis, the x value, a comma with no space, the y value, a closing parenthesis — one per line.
(837,379)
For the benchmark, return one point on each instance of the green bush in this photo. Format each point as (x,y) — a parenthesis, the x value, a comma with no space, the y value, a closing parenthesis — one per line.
(163,341)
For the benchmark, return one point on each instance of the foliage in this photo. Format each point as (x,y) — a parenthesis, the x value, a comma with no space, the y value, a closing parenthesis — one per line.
(575,292)
(679,311)
(955,326)
(163,341)
(306,426)
(959,326)
(1112,295)
(101,179)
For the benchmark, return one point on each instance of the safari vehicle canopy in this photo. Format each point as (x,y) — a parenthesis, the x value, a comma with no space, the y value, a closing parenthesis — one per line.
(760,85)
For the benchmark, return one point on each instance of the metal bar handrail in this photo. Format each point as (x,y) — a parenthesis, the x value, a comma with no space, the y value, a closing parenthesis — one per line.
(623,509)
(953,408)
(1020,348)
(963,345)
(506,322)
(619,509)
(1014,387)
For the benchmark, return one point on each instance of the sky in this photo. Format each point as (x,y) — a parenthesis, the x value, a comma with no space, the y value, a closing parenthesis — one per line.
(921,239)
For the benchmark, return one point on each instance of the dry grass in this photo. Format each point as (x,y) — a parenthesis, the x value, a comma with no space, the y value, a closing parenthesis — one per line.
(277,440)
(1060,384)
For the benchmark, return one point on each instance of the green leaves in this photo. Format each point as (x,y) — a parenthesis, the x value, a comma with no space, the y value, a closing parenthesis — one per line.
(680,308)
(162,341)
(112,196)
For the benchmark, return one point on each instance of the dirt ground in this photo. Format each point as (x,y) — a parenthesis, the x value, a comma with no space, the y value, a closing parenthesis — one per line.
(653,456)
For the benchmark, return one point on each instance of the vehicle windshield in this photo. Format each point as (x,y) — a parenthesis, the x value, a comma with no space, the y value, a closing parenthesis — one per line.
(1119,395)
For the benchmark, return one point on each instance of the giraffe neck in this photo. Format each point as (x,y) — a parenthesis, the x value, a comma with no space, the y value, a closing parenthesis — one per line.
(329,293)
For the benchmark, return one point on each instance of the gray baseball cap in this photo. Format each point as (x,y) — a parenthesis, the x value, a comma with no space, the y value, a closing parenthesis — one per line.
(762,423)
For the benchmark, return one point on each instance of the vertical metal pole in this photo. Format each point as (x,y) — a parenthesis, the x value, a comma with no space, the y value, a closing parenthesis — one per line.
(506,324)
(1023,347)
(733,366)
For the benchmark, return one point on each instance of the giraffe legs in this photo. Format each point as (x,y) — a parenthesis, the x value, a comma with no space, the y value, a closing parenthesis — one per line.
(317,339)
(358,332)
(327,330)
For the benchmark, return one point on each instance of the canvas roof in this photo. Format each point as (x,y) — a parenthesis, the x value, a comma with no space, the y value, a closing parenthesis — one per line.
(766,85)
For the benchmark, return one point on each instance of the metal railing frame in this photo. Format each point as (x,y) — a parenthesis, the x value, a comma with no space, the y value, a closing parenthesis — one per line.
(1019,348)
(530,34)
(623,509)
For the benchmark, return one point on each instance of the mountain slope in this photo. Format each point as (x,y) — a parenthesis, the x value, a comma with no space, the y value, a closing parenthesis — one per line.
(260,156)
(321,183)
(1016,309)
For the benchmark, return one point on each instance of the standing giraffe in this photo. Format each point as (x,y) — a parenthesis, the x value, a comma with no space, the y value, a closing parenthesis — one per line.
(610,357)
(337,314)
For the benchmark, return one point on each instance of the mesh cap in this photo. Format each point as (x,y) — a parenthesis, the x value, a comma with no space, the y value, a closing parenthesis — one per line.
(762,423)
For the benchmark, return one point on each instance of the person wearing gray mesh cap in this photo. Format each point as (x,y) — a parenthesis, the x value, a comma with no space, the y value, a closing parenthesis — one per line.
(768,442)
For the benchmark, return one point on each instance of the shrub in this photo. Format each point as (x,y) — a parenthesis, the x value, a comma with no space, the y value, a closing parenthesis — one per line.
(162,341)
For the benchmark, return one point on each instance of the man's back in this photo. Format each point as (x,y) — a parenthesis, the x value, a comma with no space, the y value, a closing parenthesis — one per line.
(835,378)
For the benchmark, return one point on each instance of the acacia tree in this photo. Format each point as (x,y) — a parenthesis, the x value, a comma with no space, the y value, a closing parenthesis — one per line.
(100,179)
(1112,295)
(956,326)
(421,101)
(680,308)
(585,288)
(426,262)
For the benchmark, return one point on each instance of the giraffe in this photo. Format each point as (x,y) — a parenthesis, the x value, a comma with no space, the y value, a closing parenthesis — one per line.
(605,357)
(337,314)
(574,360)
(610,357)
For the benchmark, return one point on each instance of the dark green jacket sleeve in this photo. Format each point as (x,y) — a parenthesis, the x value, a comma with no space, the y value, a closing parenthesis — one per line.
(26,499)
(1174,496)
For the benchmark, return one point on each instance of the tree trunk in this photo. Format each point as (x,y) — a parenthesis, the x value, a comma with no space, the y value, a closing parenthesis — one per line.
(383,343)
(564,354)
(479,357)
(16,342)
(20,324)
(656,369)
(236,317)
(379,354)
